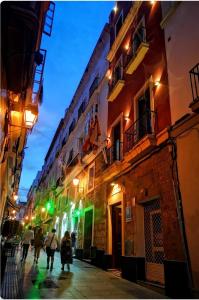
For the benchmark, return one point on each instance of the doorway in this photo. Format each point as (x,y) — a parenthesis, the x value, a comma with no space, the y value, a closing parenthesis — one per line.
(117,235)
(88,232)
(154,250)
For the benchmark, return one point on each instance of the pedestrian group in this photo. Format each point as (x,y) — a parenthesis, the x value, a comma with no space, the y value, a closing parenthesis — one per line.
(50,244)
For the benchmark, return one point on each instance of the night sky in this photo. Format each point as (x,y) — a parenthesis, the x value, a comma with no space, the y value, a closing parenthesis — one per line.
(76,29)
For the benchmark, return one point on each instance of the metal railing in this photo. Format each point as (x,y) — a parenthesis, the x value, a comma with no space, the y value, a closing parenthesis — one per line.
(37,91)
(194,79)
(115,152)
(141,127)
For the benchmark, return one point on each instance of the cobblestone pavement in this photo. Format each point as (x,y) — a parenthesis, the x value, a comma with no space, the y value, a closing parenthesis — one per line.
(84,281)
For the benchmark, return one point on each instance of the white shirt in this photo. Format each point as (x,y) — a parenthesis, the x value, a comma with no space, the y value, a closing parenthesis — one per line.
(28,236)
(51,241)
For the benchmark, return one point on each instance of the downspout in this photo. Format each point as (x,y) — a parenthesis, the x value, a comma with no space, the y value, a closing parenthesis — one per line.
(179,205)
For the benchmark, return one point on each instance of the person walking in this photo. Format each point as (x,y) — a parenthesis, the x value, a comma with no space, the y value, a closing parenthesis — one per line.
(66,251)
(26,240)
(73,241)
(38,243)
(51,244)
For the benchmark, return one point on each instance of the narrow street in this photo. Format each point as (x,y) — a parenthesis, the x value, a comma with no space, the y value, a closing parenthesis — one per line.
(33,281)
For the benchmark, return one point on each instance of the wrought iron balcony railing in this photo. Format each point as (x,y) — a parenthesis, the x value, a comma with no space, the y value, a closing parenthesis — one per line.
(194,79)
(115,152)
(140,128)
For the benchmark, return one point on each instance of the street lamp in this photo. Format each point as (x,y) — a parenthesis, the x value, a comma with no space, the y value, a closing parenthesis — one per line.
(76,184)
(15,197)
(27,116)
(30,116)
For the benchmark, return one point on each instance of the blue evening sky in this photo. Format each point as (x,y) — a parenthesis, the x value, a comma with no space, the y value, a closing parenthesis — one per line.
(76,29)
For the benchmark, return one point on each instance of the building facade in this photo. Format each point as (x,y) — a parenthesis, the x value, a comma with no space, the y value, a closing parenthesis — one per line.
(60,201)
(140,207)
(22,67)
(183,77)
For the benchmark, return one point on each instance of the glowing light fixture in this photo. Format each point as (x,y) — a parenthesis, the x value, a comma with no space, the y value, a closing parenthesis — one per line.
(112,183)
(152,2)
(75,181)
(115,8)
(30,116)
(126,118)
(43,209)
(127,46)
(15,197)
(109,74)
(157,83)
(14,211)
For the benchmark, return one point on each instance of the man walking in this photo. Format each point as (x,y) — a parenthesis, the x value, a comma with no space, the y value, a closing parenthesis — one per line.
(51,244)
(26,240)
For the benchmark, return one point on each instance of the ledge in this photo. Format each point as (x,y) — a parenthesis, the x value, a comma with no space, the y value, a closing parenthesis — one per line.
(144,145)
(116,90)
(138,58)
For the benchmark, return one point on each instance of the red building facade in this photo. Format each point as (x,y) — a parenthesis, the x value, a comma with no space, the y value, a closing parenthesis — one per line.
(141,220)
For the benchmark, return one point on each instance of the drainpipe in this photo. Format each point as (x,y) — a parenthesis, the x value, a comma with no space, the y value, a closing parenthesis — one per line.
(178,198)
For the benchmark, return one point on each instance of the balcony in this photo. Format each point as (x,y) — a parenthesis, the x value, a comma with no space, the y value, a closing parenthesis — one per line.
(137,51)
(117,84)
(71,164)
(194,80)
(115,153)
(139,130)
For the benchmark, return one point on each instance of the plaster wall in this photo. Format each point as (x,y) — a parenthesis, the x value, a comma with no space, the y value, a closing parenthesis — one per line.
(188,167)
(182,44)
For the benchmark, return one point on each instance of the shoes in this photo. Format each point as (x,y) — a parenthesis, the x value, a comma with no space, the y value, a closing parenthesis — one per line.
(51,267)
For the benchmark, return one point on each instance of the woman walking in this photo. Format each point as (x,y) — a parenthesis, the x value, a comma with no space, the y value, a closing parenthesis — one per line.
(66,251)
(39,241)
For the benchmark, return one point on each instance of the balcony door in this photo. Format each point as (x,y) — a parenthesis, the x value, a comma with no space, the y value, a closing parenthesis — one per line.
(144,115)
(116,142)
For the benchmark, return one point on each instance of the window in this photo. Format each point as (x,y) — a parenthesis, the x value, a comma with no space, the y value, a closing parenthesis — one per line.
(91,174)
(139,35)
(118,24)
(72,126)
(144,115)
(81,108)
(118,71)
(93,86)
(70,157)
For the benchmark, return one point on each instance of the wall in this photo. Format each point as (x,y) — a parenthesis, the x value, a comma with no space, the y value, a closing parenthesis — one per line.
(188,166)
(181,38)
